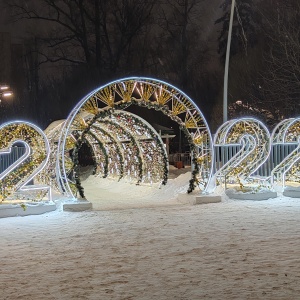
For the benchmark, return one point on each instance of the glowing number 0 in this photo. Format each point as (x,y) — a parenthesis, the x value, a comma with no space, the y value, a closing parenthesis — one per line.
(15,178)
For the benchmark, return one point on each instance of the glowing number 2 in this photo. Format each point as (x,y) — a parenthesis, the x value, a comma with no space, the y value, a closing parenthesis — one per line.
(16,177)
(254,139)
(287,132)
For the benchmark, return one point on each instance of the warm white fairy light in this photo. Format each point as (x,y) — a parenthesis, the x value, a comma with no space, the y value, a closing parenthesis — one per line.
(255,146)
(287,132)
(151,93)
(15,178)
(152,149)
(48,174)
(126,134)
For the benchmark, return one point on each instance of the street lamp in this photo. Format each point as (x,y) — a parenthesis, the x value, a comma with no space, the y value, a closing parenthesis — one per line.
(5,92)
(225,101)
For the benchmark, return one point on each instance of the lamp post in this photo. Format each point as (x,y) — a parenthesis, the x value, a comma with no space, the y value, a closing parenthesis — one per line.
(225,100)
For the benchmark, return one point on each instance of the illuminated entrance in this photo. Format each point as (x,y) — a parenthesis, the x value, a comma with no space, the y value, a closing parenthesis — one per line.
(123,144)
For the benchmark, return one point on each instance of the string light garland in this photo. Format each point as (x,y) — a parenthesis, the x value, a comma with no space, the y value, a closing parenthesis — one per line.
(152,94)
(14,180)
(287,132)
(124,146)
(249,133)
(48,174)
(255,146)
(142,152)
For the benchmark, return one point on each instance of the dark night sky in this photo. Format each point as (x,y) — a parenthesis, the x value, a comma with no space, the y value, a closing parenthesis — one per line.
(209,31)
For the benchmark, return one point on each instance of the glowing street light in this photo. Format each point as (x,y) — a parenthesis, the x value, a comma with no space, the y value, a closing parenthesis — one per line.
(4,87)
(5,92)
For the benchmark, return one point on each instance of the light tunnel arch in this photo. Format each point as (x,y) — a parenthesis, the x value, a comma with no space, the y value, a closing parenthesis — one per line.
(106,139)
(152,94)
(144,139)
(122,128)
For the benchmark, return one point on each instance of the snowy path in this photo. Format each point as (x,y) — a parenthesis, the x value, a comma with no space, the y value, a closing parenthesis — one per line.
(229,250)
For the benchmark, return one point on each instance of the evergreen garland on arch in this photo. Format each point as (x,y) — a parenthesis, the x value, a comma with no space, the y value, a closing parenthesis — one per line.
(104,151)
(193,183)
(161,148)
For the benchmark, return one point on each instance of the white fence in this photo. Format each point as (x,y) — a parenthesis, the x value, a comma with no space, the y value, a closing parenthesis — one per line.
(222,155)
(278,153)
(7,159)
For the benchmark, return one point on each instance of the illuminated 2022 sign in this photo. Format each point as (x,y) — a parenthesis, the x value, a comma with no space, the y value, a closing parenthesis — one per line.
(125,146)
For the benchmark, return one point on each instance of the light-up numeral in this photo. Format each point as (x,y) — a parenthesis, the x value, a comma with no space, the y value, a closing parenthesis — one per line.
(287,132)
(254,141)
(14,181)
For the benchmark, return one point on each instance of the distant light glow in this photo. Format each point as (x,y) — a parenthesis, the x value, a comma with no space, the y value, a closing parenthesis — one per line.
(7,94)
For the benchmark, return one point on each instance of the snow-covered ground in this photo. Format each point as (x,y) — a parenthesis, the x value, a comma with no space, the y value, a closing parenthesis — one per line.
(154,247)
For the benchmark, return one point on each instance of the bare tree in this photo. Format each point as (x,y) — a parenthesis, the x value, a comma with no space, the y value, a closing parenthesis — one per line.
(96,33)
(180,39)
(281,80)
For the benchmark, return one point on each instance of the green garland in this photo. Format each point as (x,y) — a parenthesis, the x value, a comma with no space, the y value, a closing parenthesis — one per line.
(163,153)
(101,145)
(193,183)
(76,168)
(161,146)
(77,147)
(140,161)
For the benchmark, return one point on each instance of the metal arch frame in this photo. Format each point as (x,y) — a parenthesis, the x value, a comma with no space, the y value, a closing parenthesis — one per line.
(29,152)
(49,171)
(229,134)
(149,133)
(117,142)
(130,134)
(284,133)
(100,128)
(146,127)
(192,112)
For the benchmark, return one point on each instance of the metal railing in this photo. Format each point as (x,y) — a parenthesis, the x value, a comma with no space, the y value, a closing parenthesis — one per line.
(7,159)
(222,155)
(185,158)
(278,153)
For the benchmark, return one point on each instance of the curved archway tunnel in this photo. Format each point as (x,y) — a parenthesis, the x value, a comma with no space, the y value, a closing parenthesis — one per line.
(120,152)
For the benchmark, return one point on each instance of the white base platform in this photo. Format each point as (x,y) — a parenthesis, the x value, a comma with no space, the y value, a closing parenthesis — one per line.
(14,210)
(248,196)
(291,193)
(77,206)
(204,199)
